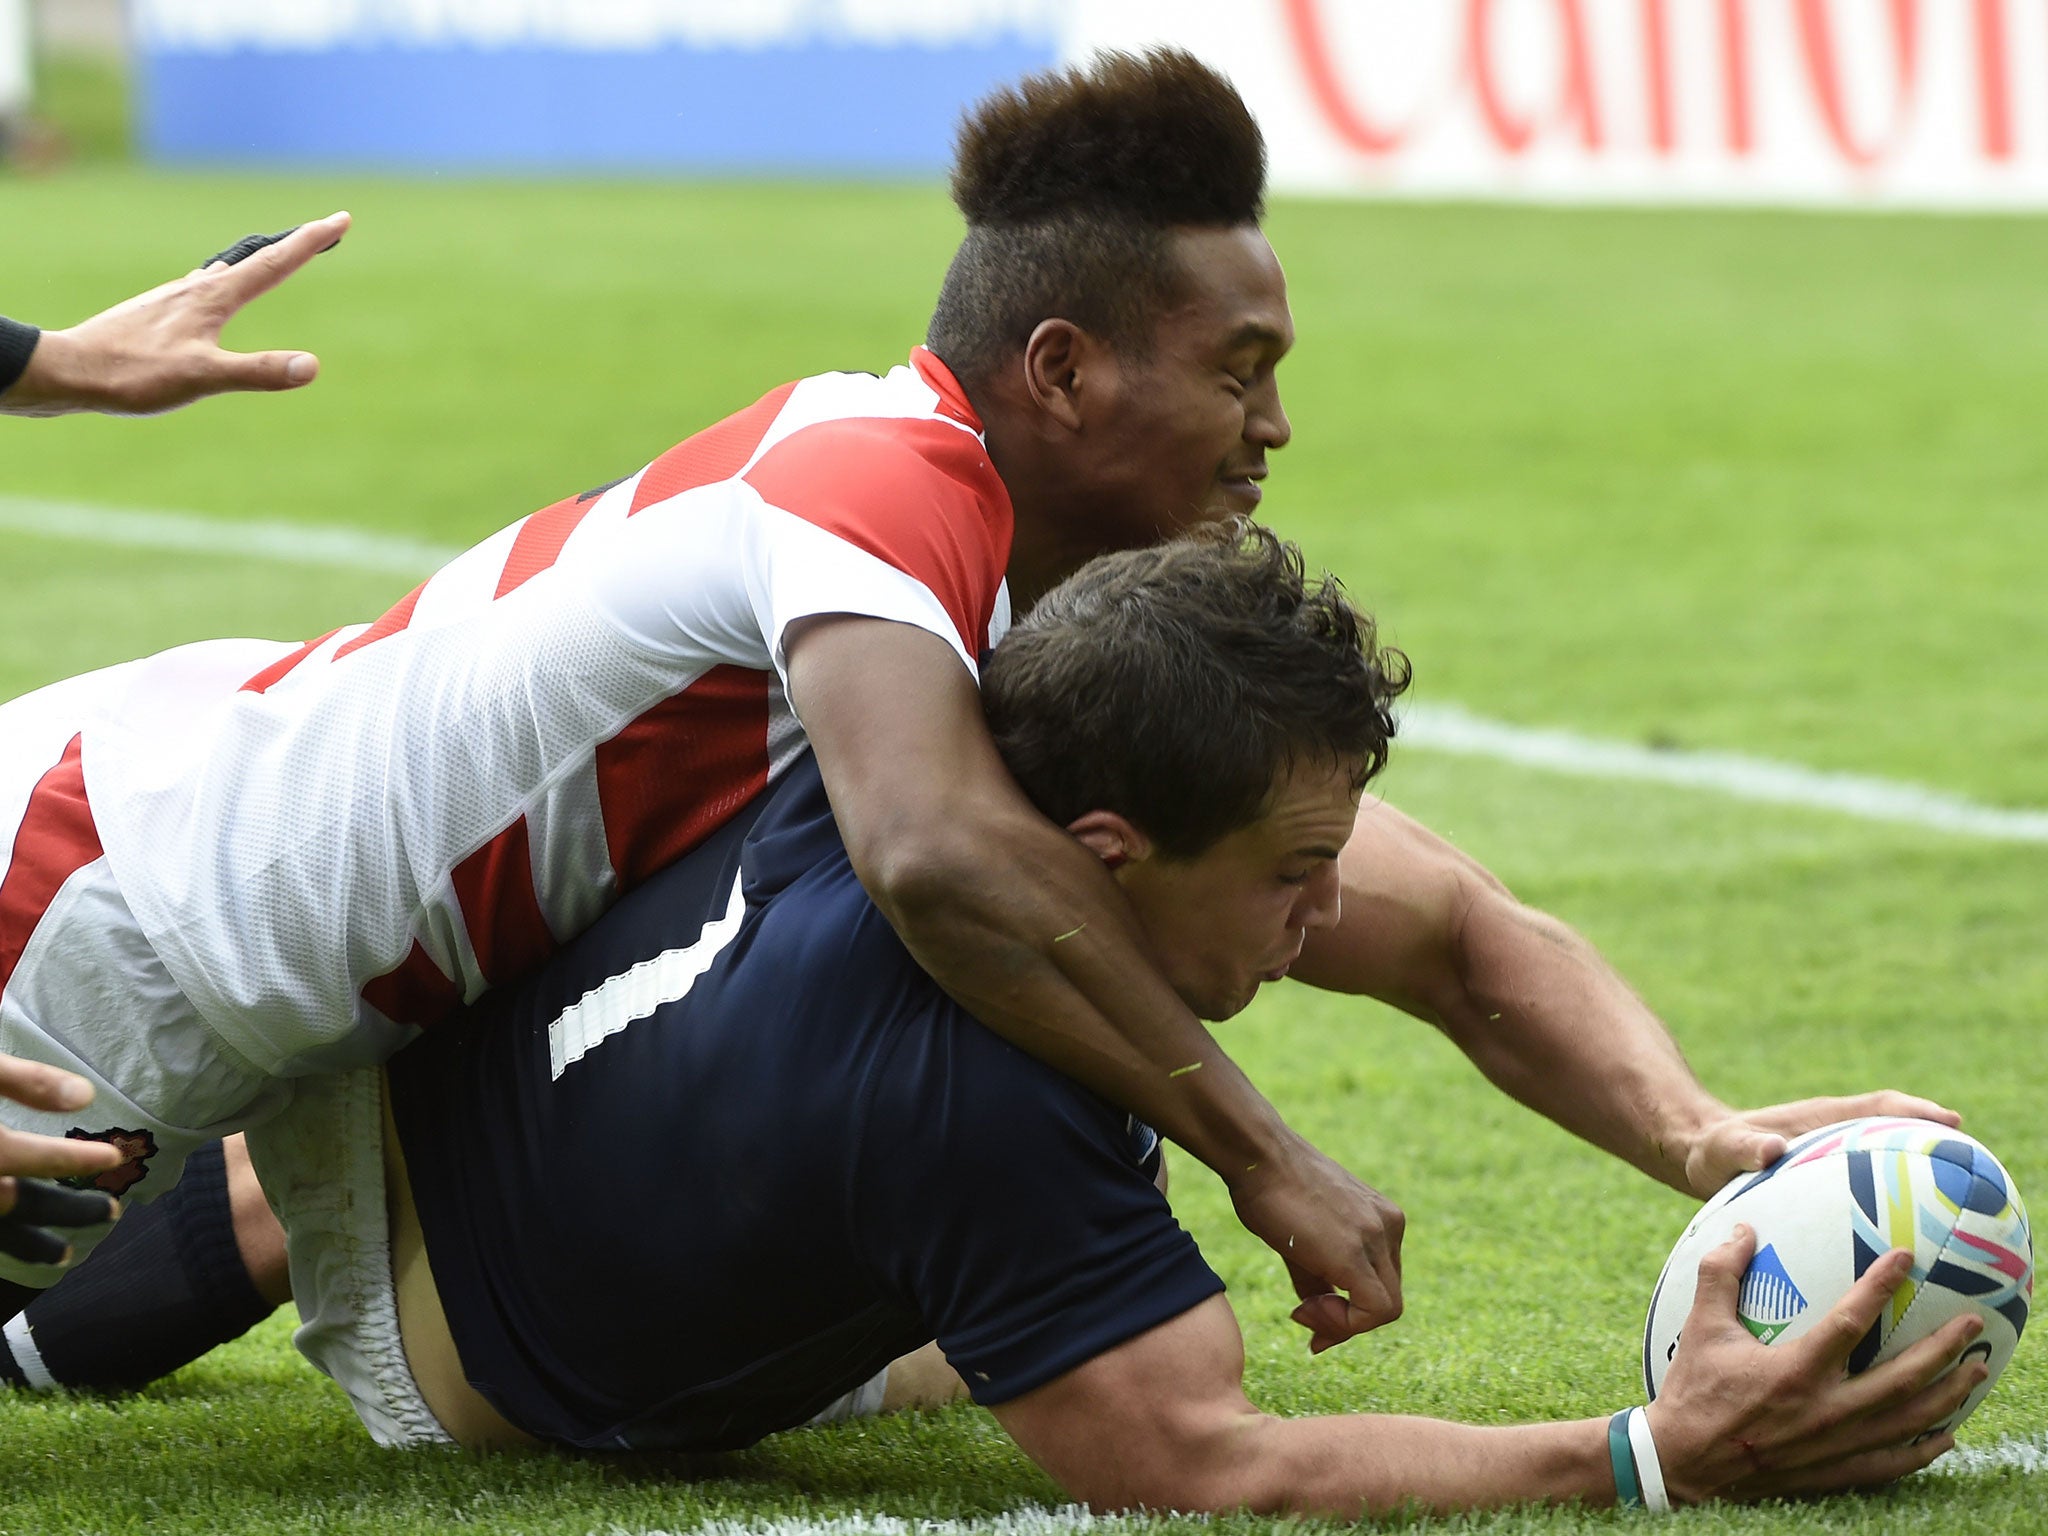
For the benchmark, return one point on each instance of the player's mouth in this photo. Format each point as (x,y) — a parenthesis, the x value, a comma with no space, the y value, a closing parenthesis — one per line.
(1279,972)
(1244,489)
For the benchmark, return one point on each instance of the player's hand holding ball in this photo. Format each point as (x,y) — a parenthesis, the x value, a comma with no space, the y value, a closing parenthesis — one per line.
(1753,1139)
(1739,1419)
(1826,1322)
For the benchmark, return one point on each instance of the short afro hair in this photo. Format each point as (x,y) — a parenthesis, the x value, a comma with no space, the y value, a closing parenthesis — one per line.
(1070,183)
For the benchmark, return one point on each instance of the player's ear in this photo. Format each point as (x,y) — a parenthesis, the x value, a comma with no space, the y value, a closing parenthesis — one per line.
(1111,838)
(1061,361)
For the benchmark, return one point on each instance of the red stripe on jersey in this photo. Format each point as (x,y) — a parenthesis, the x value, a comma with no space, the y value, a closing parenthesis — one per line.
(953,399)
(717,453)
(413,991)
(918,494)
(494,886)
(680,771)
(538,544)
(56,839)
(392,622)
(263,681)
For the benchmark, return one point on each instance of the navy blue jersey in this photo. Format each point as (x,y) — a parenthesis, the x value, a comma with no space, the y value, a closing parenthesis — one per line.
(732,1152)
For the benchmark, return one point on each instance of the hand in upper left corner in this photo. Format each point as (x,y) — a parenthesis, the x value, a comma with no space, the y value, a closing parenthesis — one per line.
(161,349)
(29,1208)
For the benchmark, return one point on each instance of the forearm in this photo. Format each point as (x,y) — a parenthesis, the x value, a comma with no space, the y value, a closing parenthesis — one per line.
(1362,1465)
(1428,929)
(57,378)
(1548,1021)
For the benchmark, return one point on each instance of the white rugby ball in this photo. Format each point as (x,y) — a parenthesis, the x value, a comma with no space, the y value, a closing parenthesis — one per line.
(1839,1199)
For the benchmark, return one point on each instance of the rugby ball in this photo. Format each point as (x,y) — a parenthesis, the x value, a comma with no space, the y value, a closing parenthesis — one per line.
(1839,1199)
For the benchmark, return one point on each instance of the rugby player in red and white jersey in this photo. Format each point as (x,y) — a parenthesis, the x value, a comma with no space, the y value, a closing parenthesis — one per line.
(239,862)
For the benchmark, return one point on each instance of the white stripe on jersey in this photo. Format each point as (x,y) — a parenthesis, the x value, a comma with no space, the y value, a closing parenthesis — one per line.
(835,396)
(465,583)
(634,995)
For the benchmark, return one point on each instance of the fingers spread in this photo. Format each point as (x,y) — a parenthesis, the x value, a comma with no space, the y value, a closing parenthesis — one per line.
(1835,1337)
(55,1157)
(267,371)
(1720,1279)
(1874,1469)
(42,1087)
(263,269)
(52,1205)
(32,1245)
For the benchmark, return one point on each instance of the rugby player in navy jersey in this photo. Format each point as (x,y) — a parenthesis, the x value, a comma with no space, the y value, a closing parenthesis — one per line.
(614,1189)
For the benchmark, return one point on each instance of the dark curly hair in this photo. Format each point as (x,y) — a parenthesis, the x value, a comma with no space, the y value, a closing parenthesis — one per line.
(1175,685)
(1070,183)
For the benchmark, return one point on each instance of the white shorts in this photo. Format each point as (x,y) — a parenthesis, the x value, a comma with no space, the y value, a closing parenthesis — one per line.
(82,989)
(322,1164)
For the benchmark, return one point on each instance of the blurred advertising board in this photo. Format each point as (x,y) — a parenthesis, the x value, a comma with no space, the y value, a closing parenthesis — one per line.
(1931,103)
(827,86)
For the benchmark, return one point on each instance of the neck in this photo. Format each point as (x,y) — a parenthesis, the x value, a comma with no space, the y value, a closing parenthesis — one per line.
(1050,539)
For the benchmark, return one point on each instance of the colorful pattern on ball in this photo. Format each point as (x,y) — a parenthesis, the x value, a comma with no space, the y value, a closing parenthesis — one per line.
(1838,1200)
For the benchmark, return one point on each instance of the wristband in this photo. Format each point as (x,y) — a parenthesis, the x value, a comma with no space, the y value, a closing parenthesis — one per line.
(1621,1453)
(17,345)
(1649,1470)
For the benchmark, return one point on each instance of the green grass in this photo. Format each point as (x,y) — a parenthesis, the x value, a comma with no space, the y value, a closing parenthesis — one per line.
(85,97)
(1764,482)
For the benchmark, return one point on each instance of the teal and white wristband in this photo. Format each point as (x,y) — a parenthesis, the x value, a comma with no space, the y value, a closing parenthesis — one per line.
(1649,1470)
(1638,1474)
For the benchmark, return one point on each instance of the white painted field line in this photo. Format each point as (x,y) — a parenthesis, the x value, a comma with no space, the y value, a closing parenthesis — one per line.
(1448,728)
(349,549)
(2027,1455)
(1031,1520)
(1431,727)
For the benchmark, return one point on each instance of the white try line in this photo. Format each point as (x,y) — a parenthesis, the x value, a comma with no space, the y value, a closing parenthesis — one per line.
(348,549)
(1448,728)
(1031,1520)
(1431,727)
(2027,1455)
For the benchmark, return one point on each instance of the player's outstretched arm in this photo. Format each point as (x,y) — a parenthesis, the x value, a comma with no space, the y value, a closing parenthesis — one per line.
(1162,1422)
(1541,1013)
(161,349)
(1017,921)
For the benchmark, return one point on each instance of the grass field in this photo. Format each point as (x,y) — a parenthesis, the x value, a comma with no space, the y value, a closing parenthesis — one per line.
(1771,484)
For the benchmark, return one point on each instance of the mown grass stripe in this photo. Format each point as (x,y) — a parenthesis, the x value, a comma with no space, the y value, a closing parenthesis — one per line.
(1446,728)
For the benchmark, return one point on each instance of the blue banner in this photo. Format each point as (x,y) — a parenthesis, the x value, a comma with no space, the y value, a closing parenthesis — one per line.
(852,87)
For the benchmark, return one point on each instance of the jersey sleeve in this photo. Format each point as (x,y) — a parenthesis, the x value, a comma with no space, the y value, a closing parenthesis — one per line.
(1015,1212)
(17,345)
(892,518)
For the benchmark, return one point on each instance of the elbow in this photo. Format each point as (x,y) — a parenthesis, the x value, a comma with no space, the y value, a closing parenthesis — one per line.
(928,878)
(1212,1474)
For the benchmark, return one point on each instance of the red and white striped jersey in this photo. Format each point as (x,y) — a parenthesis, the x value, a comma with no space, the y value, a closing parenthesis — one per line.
(381,823)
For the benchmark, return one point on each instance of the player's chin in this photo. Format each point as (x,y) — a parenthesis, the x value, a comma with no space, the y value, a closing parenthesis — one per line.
(1223,1005)
(1239,497)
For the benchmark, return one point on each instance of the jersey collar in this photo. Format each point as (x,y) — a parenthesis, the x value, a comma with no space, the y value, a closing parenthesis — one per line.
(952,398)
